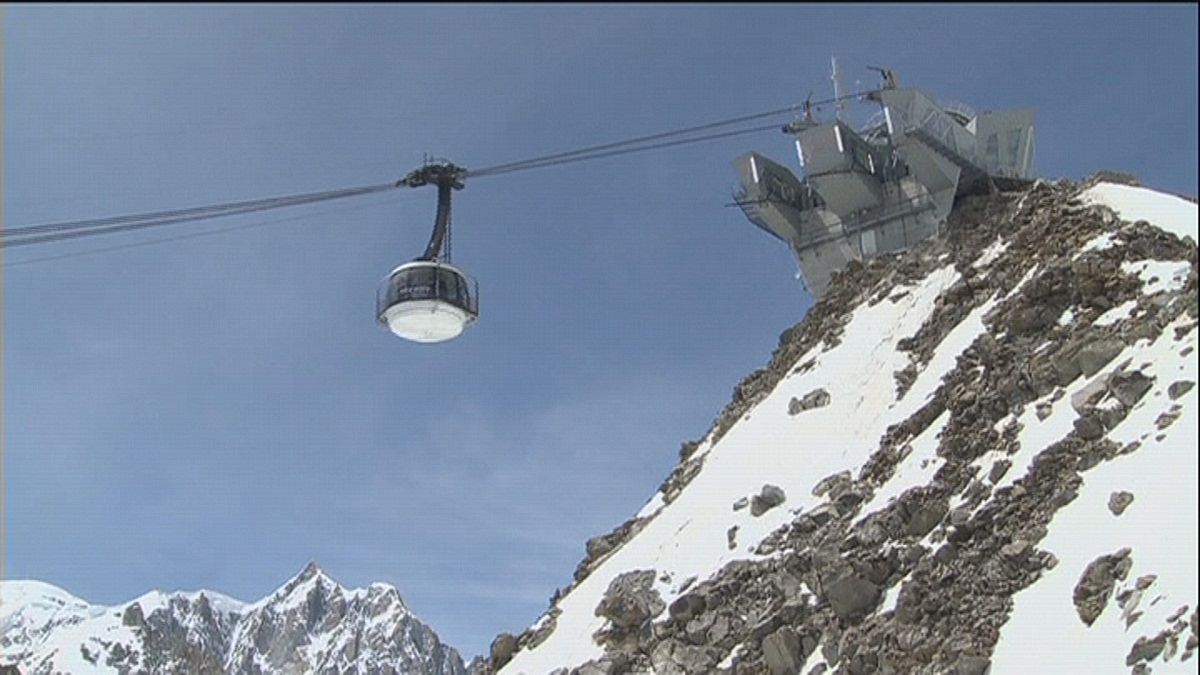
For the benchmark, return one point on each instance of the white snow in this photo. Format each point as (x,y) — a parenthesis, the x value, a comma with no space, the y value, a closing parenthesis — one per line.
(1159,275)
(915,469)
(1116,314)
(1098,243)
(990,254)
(652,507)
(1168,212)
(688,536)
(54,626)
(1044,633)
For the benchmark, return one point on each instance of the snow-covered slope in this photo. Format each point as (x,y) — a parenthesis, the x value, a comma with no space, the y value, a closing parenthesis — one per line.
(310,625)
(934,473)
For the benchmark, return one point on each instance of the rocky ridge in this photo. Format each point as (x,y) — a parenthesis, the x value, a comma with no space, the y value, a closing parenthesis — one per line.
(311,624)
(925,582)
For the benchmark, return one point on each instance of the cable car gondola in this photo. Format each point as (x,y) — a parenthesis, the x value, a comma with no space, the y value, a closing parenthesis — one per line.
(428,299)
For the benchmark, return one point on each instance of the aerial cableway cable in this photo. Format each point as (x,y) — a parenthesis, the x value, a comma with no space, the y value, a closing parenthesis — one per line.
(39,234)
(52,232)
(627,151)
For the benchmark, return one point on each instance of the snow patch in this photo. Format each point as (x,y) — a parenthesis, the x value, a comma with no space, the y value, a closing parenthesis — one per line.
(1167,212)
(1159,275)
(1160,527)
(1116,314)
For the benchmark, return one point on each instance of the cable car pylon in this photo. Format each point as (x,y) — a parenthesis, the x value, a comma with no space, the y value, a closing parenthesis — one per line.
(428,299)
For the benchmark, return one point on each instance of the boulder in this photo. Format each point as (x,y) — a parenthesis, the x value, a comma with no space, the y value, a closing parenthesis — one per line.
(783,652)
(768,498)
(925,517)
(1089,427)
(1179,388)
(1096,584)
(999,468)
(1130,387)
(503,648)
(1087,397)
(687,606)
(970,664)
(829,483)
(631,600)
(133,616)
(852,597)
(1119,501)
(1096,354)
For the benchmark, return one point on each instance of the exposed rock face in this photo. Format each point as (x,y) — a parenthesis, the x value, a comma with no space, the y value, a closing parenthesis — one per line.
(924,580)
(817,398)
(311,624)
(631,600)
(1095,587)
(783,652)
(1119,501)
(768,498)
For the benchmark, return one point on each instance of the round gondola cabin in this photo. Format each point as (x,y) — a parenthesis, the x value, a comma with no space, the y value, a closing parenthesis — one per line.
(428,299)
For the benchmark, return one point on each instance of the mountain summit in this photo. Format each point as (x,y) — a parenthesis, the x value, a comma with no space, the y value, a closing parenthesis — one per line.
(979,453)
(311,624)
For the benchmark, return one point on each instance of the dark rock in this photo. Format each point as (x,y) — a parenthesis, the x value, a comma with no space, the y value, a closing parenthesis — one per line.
(783,652)
(847,501)
(1129,388)
(1089,427)
(741,503)
(972,665)
(852,597)
(687,449)
(731,537)
(925,517)
(1095,586)
(1043,410)
(817,398)
(1119,501)
(816,519)
(768,498)
(1087,397)
(600,666)
(503,648)
(999,468)
(133,616)
(828,483)
(687,606)
(1065,367)
(1096,354)
(1167,419)
(946,553)
(1116,177)
(1179,388)
(1015,550)
(671,657)
(1145,649)
(960,516)
(631,600)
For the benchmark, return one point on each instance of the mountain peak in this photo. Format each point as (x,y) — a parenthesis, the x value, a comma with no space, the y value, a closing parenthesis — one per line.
(310,570)
(969,456)
(309,621)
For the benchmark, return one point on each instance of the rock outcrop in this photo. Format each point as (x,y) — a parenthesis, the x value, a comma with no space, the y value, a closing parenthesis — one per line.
(910,562)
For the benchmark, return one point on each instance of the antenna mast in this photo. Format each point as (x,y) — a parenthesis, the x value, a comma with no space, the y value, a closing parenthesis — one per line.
(836,76)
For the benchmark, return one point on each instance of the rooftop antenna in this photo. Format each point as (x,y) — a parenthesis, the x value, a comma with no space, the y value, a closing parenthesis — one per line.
(836,76)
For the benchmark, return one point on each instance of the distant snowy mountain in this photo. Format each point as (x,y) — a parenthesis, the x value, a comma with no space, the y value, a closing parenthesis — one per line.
(976,456)
(310,625)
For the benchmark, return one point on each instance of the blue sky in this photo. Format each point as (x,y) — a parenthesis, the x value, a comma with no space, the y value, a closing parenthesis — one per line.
(214,413)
